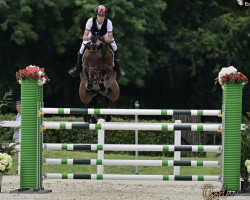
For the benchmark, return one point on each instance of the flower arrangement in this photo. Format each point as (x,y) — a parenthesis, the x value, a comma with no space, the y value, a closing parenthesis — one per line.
(32,73)
(230,75)
(5,162)
(247,164)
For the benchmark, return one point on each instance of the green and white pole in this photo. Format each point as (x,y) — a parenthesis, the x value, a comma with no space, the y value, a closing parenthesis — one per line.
(31,138)
(132,177)
(136,111)
(192,163)
(232,106)
(132,126)
(128,147)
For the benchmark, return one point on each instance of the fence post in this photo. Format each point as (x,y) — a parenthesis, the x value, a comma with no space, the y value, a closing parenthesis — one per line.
(231,121)
(177,154)
(136,136)
(100,154)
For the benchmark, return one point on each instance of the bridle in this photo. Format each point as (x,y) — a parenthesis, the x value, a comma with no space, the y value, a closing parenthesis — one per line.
(103,55)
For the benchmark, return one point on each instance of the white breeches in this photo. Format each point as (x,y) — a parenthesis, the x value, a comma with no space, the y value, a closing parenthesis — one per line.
(113,45)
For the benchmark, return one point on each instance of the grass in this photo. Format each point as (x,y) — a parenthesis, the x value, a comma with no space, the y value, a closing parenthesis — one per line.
(147,170)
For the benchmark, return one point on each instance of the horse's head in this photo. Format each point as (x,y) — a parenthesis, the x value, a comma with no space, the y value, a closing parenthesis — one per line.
(92,62)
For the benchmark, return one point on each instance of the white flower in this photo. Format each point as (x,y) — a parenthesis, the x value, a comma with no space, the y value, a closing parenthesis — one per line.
(44,80)
(5,162)
(226,70)
(248,169)
(2,167)
(40,73)
(20,81)
(39,82)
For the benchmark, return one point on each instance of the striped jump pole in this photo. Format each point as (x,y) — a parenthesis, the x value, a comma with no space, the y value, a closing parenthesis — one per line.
(119,147)
(170,163)
(131,126)
(101,111)
(131,177)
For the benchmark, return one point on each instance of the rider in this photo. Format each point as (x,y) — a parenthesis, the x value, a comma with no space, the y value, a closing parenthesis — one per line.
(102,27)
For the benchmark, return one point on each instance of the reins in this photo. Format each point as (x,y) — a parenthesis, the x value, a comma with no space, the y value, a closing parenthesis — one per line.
(98,68)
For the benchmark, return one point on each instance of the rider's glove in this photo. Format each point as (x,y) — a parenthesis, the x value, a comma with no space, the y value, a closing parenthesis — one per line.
(102,39)
(93,38)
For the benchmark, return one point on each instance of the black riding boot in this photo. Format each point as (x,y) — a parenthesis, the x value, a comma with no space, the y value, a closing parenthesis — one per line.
(118,68)
(75,71)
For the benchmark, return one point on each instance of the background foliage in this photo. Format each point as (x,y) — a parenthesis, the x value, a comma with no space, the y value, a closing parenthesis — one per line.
(171,50)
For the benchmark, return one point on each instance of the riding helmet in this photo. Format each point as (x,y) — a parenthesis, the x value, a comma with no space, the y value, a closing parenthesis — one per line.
(101,10)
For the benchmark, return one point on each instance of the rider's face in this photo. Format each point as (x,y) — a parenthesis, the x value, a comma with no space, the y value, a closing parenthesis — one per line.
(100,18)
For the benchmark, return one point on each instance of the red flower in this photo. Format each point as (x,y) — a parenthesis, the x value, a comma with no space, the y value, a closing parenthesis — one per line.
(32,69)
(31,73)
(233,78)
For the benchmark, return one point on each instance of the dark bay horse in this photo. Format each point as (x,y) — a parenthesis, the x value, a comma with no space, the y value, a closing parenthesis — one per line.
(98,76)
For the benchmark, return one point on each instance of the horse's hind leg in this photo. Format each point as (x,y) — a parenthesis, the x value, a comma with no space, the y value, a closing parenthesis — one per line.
(86,117)
(108,118)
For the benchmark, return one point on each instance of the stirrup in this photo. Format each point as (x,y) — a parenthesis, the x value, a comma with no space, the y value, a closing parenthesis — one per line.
(74,72)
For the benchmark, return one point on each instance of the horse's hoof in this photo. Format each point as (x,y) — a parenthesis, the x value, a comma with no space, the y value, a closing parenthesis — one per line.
(93,120)
(102,87)
(89,86)
(86,118)
(108,118)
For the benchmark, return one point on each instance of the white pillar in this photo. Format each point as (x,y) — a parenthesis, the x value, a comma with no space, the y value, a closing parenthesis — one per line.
(136,142)
(136,137)
(177,154)
(100,154)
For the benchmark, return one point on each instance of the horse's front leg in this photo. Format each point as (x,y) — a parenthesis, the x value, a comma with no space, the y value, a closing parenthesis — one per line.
(86,96)
(102,84)
(89,81)
(108,118)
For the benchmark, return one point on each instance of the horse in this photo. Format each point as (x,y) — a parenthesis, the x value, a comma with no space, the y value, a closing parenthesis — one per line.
(98,76)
